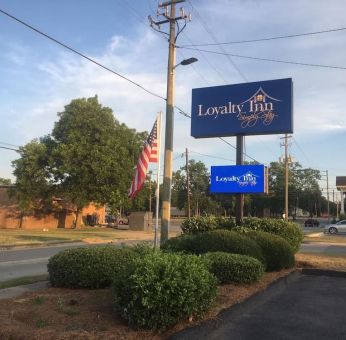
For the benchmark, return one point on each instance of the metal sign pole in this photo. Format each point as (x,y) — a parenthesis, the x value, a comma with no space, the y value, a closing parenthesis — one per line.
(240,197)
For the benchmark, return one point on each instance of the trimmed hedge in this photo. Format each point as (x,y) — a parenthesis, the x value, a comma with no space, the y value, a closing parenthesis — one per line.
(287,230)
(198,224)
(233,267)
(213,241)
(158,290)
(92,267)
(277,251)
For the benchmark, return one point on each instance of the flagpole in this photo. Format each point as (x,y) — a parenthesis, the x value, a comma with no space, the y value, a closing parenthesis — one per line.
(159,116)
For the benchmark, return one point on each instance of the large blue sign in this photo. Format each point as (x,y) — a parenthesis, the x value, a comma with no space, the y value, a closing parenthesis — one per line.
(257,108)
(248,179)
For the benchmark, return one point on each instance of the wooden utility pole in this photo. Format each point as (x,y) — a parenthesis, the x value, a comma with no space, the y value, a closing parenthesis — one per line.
(169,12)
(188,183)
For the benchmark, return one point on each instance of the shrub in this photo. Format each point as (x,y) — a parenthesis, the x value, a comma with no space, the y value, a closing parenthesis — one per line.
(225,223)
(287,230)
(198,224)
(233,267)
(160,289)
(213,241)
(92,267)
(277,251)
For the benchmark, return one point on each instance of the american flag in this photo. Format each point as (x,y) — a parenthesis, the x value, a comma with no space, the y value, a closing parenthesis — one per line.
(148,155)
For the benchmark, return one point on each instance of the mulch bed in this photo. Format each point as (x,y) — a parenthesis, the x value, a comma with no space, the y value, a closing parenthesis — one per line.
(56,313)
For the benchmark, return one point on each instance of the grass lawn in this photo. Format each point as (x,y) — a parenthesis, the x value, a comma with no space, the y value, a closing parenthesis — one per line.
(20,237)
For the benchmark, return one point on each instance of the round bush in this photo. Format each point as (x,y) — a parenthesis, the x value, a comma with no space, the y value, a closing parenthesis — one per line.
(233,267)
(213,241)
(92,267)
(291,232)
(277,251)
(161,289)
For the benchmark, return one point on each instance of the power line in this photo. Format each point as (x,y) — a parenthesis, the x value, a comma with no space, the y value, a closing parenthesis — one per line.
(211,34)
(81,54)
(182,112)
(301,150)
(17,146)
(216,157)
(269,38)
(265,59)
(7,148)
(225,141)
(207,61)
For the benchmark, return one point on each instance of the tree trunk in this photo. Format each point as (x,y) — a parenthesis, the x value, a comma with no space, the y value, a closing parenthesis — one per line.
(78,220)
(21,219)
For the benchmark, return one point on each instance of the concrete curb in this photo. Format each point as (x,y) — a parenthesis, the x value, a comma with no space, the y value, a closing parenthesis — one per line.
(323,272)
(8,293)
(236,311)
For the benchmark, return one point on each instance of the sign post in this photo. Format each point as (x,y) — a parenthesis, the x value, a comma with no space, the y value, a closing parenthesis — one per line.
(240,196)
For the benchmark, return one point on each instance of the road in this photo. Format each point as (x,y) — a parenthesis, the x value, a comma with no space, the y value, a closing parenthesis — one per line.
(28,262)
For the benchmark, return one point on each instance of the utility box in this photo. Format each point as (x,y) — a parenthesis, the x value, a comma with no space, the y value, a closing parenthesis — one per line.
(141,220)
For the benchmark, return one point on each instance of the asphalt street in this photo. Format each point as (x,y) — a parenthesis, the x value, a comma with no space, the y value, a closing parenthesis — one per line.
(27,262)
(33,261)
(308,307)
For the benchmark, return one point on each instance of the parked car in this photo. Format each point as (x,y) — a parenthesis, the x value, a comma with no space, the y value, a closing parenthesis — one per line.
(311,223)
(114,221)
(335,227)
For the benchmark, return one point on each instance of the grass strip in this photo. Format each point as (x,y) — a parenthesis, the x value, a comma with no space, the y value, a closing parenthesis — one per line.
(25,280)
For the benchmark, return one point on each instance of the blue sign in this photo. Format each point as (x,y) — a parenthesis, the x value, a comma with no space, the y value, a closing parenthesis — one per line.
(257,108)
(234,179)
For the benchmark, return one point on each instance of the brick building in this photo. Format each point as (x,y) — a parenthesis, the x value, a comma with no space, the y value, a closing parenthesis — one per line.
(62,216)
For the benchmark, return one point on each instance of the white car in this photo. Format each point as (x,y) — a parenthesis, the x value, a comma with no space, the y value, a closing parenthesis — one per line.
(336,227)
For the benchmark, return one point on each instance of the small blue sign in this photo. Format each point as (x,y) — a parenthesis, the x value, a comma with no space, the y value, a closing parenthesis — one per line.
(257,108)
(234,179)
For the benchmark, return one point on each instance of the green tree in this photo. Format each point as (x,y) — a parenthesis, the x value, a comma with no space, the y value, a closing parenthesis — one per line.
(88,157)
(201,200)
(303,188)
(5,181)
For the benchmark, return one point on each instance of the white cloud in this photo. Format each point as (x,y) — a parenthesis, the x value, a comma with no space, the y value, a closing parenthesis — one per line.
(318,93)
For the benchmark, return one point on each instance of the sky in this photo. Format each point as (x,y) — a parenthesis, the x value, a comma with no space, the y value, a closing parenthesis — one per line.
(39,77)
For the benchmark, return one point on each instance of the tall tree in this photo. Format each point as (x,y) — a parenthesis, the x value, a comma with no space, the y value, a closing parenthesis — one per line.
(88,157)
(201,200)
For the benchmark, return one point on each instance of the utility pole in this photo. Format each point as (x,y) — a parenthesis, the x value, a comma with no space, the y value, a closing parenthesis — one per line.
(169,12)
(188,183)
(286,173)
